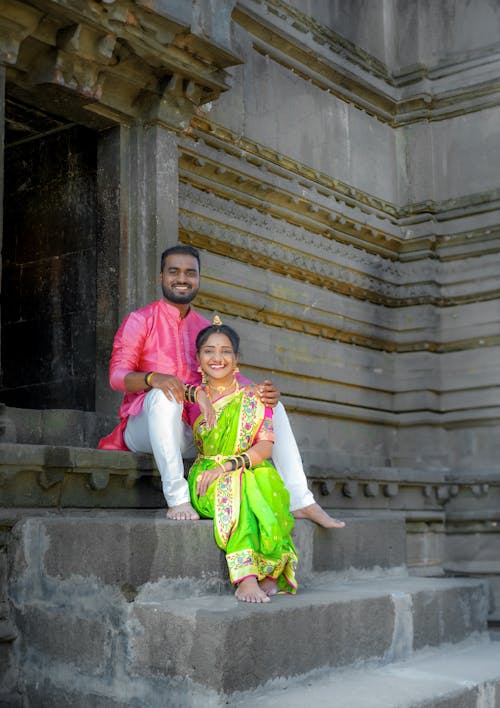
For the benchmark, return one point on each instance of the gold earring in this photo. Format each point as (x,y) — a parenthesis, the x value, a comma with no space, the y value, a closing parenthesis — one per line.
(236,370)
(203,375)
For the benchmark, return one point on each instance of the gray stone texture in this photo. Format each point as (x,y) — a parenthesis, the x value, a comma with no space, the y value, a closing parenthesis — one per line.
(449,615)
(249,639)
(119,606)
(130,549)
(465,676)
(336,163)
(372,542)
(53,636)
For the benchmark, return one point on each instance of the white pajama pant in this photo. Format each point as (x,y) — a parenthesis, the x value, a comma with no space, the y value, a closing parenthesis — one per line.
(159,429)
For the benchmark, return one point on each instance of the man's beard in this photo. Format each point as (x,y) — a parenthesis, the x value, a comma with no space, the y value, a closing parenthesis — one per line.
(179,298)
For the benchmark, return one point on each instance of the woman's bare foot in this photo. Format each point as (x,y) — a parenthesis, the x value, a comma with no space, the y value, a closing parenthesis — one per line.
(269,586)
(182,512)
(315,513)
(249,591)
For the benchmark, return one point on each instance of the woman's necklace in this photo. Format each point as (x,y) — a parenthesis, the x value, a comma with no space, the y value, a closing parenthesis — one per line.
(222,388)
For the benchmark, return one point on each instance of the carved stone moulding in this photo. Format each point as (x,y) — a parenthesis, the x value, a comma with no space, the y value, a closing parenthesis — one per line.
(223,139)
(119,60)
(466,493)
(374,489)
(418,277)
(321,56)
(289,203)
(46,476)
(242,170)
(298,254)
(272,256)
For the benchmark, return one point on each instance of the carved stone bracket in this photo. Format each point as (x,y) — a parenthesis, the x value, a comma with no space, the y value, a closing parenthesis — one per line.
(120,60)
(18,21)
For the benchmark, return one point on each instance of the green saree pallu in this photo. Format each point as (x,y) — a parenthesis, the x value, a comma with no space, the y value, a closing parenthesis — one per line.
(250,508)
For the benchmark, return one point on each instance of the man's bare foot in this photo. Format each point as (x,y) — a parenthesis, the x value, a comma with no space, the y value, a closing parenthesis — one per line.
(315,513)
(249,591)
(269,586)
(182,512)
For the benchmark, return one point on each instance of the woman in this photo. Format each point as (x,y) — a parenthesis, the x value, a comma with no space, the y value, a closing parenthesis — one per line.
(232,481)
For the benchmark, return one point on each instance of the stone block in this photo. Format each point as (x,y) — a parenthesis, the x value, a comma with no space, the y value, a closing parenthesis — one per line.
(229,646)
(8,431)
(8,671)
(40,694)
(27,425)
(58,635)
(134,548)
(55,426)
(463,675)
(56,423)
(131,550)
(462,698)
(448,612)
(11,700)
(362,544)
(425,546)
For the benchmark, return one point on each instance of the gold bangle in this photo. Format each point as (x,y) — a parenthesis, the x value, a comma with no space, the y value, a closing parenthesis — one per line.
(246,461)
(147,378)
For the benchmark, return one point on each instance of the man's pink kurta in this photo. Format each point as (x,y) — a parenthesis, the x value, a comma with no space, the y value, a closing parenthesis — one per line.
(154,338)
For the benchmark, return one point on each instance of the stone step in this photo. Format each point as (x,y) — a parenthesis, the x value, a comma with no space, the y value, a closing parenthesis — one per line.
(138,547)
(331,624)
(463,676)
(153,644)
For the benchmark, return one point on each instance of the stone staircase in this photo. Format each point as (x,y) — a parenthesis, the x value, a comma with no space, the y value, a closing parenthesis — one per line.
(124,609)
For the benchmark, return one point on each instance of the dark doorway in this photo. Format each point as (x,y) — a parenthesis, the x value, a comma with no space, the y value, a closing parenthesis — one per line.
(49,262)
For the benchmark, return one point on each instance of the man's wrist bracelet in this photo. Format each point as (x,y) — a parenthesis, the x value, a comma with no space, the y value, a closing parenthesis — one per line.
(148,377)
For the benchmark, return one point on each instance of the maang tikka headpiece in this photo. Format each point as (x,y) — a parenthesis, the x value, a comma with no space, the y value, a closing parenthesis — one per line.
(217,321)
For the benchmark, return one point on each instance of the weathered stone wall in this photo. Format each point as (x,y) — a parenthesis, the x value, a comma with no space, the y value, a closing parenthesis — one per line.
(366,238)
(350,173)
(343,193)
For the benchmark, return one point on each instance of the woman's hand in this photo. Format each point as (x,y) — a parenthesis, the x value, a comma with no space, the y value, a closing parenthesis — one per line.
(206,407)
(268,393)
(206,478)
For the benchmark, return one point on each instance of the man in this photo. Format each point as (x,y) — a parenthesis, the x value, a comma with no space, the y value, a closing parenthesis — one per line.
(154,356)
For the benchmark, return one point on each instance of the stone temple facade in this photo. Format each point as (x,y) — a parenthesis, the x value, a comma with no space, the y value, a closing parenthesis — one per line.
(336,163)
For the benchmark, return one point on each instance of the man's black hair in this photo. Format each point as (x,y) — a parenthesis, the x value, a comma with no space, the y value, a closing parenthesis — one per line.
(180,248)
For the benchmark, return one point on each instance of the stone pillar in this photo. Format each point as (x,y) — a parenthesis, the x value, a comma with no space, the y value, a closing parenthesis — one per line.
(149,207)
(138,205)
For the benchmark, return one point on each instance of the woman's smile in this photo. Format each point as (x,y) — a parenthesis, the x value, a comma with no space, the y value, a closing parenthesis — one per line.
(217,358)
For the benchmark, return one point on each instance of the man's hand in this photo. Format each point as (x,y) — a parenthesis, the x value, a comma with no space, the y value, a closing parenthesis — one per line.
(206,408)
(171,386)
(269,394)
